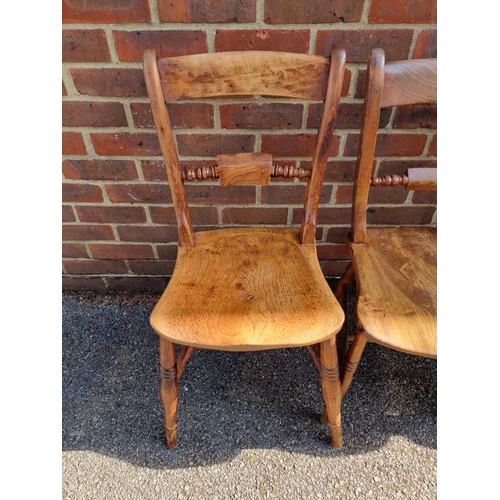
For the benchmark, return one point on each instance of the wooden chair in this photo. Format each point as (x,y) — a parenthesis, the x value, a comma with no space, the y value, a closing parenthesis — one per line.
(394,267)
(246,289)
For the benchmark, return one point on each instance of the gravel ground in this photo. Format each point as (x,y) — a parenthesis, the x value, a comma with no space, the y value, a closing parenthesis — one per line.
(248,422)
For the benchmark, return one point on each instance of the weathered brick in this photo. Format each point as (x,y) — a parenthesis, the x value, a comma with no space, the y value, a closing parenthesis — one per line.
(230,195)
(167,252)
(403,11)
(67,214)
(416,116)
(254,215)
(390,145)
(139,193)
(200,216)
(426,45)
(326,215)
(182,116)
(386,195)
(115,170)
(130,45)
(125,144)
(74,251)
(85,46)
(152,267)
(105,11)
(293,194)
(337,234)
(425,197)
(72,144)
(121,82)
(207,11)
(137,284)
(312,11)
(332,252)
(83,232)
(214,144)
(400,215)
(336,170)
(160,234)
(399,167)
(80,284)
(349,116)
(433,146)
(89,266)
(358,43)
(111,215)
(121,251)
(93,114)
(294,144)
(261,116)
(334,268)
(279,40)
(81,193)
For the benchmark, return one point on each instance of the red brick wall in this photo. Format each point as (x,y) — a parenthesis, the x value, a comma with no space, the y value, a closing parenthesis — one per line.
(118,223)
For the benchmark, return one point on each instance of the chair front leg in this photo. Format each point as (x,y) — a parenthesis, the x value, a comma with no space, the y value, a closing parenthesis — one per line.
(330,383)
(169,389)
(353,357)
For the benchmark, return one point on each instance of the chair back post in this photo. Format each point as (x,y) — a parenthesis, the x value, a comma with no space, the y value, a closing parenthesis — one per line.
(168,148)
(322,145)
(367,140)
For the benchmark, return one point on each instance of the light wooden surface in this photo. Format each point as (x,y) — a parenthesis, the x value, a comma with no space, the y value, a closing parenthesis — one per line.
(247,289)
(245,168)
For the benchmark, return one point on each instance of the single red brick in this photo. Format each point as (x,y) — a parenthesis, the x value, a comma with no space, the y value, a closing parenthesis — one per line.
(261,116)
(400,215)
(214,144)
(332,252)
(182,116)
(433,146)
(425,197)
(125,144)
(230,195)
(67,214)
(416,116)
(116,170)
(200,216)
(207,11)
(74,251)
(426,45)
(254,215)
(155,170)
(293,194)
(337,234)
(160,234)
(358,43)
(137,284)
(130,45)
(390,145)
(334,268)
(294,144)
(112,215)
(403,11)
(399,167)
(326,215)
(85,46)
(349,116)
(121,82)
(121,251)
(72,144)
(139,193)
(279,40)
(152,267)
(89,266)
(80,284)
(105,11)
(312,11)
(82,232)
(93,114)
(385,195)
(81,192)
(336,170)
(167,252)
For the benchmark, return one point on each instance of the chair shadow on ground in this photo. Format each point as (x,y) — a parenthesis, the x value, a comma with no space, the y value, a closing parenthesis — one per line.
(228,401)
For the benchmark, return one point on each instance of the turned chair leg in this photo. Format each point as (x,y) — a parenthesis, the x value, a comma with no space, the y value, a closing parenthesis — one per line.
(353,357)
(169,389)
(330,383)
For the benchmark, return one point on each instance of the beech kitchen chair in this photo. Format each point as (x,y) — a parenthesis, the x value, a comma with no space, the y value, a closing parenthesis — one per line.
(394,268)
(246,289)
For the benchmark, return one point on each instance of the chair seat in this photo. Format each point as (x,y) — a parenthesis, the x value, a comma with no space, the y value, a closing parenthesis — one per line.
(247,289)
(397,288)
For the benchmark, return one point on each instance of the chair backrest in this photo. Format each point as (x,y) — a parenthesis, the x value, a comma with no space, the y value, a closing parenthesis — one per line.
(226,74)
(391,84)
